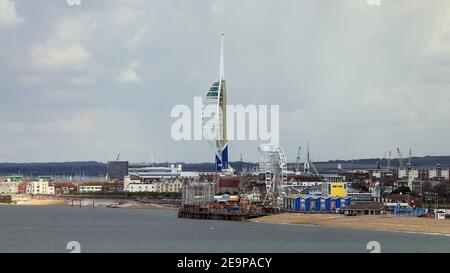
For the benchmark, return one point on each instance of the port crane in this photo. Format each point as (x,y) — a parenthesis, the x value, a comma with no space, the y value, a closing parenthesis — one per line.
(400,159)
(308,160)
(409,159)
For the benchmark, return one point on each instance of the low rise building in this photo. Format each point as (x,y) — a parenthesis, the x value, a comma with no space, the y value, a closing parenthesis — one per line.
(228,184)
(22,187)
(64,188)
(9,187)
(89,188)
(14,179)
(38,187)
(140,187)
(148,170)
(169,185)
(361,197)
(364,209)
(51,190)
(335,189)
(414,185)
(131,179)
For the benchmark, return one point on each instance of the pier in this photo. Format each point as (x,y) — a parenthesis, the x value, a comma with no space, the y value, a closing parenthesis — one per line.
(228,214)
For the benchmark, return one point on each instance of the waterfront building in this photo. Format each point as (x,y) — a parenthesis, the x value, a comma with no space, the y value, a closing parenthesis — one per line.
(9,187)
(334,189)
(14,179)
(38,187)
(149,171)
(169,186)
(117,169)
(152,187)
(361,197)
(112,186)
(22,187)
(89,188)
(131,179)
(228,184)
(51,190)
(63,188)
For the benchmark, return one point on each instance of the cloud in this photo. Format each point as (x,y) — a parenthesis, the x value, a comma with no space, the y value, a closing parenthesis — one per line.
(84,80)
(351,78)
(130,74)
(52,58)
(8,14)
(81,124)
(64,47)
(137,38)
(439,43)
(216,8)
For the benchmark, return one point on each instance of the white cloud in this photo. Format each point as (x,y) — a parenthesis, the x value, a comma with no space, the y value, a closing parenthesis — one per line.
(439,44)
(52,58)
(64,47)
(378,83)
(125,13)
(81,124)
(137,38)
(84,80)
(130,74)
(74,29)
(216,8)
(8,14)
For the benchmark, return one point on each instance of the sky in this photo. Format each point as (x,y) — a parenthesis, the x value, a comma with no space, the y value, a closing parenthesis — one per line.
(93,81)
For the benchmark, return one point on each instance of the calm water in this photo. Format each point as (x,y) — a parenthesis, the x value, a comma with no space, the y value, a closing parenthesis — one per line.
(49,229)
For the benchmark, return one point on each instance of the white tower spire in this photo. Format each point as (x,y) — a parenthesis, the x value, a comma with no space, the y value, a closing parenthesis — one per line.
(222,65)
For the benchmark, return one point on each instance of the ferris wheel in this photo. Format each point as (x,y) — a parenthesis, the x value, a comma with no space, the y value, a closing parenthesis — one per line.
(273,165)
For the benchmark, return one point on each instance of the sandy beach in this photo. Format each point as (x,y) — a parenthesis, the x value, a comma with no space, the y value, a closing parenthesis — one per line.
(39,202)
(390,223)
(97,203)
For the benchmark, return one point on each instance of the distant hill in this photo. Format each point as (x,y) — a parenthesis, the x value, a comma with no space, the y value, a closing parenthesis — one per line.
(425,162)
(97,169)
(87,168)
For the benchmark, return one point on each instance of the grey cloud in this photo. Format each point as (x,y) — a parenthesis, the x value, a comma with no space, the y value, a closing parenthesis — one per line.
(354,80)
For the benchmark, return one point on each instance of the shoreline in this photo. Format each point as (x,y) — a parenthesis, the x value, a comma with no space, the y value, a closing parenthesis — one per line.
(96,203)
(403,224)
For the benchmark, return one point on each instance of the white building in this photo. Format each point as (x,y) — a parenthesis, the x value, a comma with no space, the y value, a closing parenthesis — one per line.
(413,175)
(9,187)
(51,190)
(433,174)
(142,187)
(131,179)
(445,174)
(89,188)
(38,187)
(148,170)
(402,173)
(14,179)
